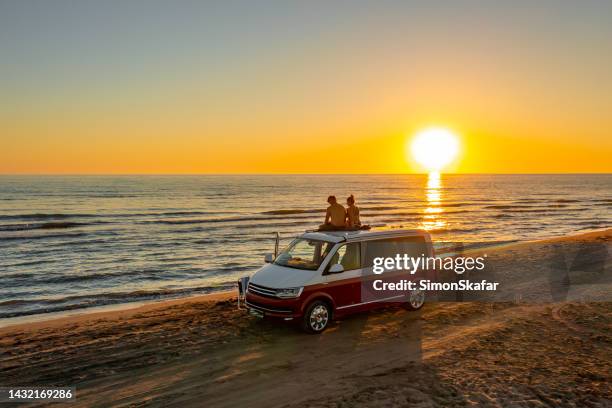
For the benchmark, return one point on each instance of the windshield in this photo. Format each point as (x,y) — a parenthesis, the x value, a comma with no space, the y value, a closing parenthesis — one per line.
(304,254)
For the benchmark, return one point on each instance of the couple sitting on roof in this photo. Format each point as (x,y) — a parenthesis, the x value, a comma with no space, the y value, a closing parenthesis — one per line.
(338,218)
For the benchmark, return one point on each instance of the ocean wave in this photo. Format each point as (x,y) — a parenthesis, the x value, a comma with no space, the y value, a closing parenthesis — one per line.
(86,194)
(396,214)
(62,216)
(26,263)
(522,206)
(189,221)
(593,222)
(291,212)
(46,225)
(566,200)
(380,208)
(447,230)
(90,243)
(39,306)
(530,200)
(180,213)
(201,220)
(322,210)
(443,204)
(60,225)
(171,270)
(45,216)
(19,275)
(45,236)
(506,206)
(232,240)
(93,277)
(412,213)
(550,210)
(394,220)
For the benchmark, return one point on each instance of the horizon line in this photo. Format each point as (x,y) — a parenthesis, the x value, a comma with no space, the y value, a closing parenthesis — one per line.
(298,174)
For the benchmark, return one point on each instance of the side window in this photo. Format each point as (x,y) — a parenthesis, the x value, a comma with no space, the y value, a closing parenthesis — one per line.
(375,249)
(385,248)
(413,246)
(349,256)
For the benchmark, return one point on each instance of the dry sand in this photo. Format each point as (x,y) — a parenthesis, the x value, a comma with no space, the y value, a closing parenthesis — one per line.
(201,351)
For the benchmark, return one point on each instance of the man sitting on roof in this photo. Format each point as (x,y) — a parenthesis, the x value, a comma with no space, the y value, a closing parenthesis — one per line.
(334,217)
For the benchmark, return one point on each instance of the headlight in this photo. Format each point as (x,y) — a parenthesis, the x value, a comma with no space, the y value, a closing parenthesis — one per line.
(289,293)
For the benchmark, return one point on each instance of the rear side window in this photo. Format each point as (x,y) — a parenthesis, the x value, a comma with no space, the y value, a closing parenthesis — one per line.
(348,255)
(389,248)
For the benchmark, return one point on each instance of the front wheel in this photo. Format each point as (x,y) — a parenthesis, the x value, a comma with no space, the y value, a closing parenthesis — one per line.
(416,300)
(317,317)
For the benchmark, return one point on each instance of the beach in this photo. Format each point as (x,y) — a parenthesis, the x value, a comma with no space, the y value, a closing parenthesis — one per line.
(202,351)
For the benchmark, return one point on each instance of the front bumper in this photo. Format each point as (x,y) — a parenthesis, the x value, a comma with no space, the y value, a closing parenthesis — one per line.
(287,309)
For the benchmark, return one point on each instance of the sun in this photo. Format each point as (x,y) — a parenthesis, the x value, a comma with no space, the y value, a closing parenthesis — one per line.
(434,148)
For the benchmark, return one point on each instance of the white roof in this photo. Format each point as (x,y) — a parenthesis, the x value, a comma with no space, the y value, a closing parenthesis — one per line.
(339,236)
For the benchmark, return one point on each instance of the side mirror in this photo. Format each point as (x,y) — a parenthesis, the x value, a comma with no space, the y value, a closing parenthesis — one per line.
(336,268)
(269,258)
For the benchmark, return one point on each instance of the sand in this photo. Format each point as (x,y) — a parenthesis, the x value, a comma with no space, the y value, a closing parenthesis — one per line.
(201,351)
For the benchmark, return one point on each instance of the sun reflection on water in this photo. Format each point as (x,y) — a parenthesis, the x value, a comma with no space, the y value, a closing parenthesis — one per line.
(432,217)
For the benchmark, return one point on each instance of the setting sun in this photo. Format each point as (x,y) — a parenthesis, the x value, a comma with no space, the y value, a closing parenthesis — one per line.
(434,148)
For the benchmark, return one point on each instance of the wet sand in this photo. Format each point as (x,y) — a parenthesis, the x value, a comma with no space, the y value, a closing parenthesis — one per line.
(201,351)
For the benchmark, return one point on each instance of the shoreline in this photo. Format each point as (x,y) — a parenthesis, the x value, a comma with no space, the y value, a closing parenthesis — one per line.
(125,310)
(115,311)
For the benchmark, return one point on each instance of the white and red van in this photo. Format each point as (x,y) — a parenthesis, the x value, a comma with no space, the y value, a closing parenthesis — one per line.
(325,275)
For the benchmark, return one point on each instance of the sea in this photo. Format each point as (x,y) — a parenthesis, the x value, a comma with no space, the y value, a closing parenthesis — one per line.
(73,242)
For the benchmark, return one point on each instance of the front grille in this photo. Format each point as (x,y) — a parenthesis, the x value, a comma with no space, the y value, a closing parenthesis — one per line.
(262,290)
(267,308)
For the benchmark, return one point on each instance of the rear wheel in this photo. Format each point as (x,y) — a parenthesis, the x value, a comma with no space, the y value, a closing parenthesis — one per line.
(416,300)
(317,317)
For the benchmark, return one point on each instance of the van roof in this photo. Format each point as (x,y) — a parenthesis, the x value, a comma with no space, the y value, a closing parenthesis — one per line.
(340,236)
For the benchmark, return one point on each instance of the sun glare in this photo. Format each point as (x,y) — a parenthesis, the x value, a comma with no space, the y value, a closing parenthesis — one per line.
(434,148)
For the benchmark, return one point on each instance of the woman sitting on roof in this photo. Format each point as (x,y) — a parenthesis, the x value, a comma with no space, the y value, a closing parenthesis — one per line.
(352,214)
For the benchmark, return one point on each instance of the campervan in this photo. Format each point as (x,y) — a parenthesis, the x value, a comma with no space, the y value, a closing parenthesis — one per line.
(322,276)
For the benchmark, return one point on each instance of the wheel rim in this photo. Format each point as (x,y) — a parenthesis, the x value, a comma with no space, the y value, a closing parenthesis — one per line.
(417,298)
(319,317)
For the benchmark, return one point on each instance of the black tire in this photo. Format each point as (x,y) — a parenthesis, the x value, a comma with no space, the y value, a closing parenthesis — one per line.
(316,317)
(416,300)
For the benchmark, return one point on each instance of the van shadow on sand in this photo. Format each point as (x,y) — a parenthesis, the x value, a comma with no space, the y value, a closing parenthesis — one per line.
(353,362)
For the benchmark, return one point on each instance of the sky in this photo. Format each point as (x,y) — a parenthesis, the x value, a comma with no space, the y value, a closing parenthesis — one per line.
(118,87)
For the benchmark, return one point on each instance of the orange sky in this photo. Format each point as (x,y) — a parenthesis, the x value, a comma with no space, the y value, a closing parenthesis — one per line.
(298,91)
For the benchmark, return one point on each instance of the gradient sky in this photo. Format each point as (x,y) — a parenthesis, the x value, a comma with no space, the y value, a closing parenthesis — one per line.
(302,87)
